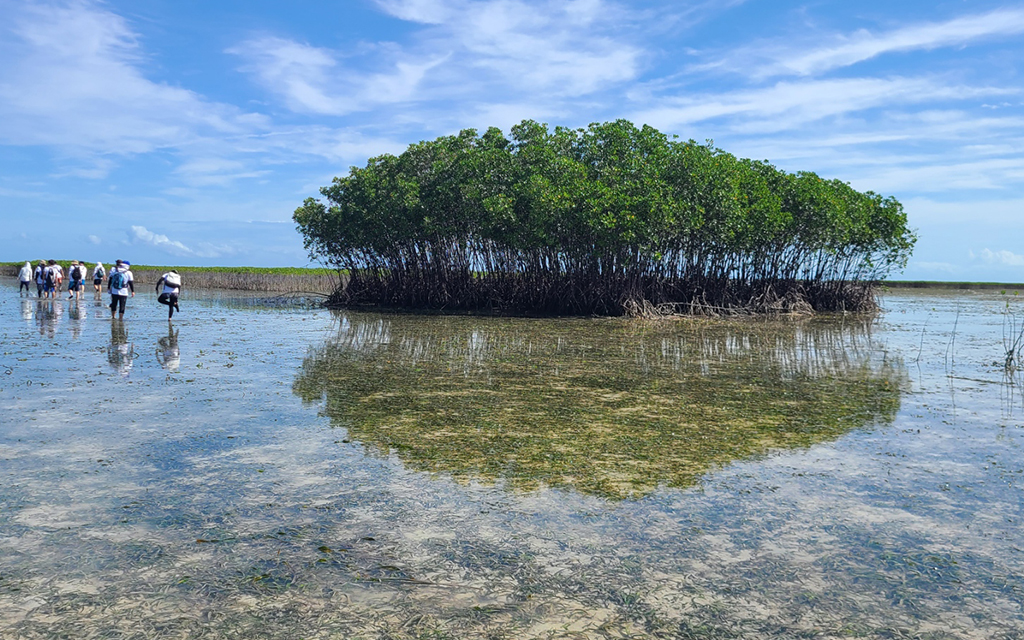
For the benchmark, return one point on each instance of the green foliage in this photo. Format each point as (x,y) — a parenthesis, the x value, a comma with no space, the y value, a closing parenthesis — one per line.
(597,220)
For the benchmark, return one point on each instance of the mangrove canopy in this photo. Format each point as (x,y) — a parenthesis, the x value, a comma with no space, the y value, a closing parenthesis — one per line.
(611,220)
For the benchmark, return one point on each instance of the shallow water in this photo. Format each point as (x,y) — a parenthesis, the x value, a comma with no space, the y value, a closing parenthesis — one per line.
(270,471)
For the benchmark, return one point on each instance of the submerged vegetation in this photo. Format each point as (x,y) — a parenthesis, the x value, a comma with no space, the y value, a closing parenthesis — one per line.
(610,220)
(607,408)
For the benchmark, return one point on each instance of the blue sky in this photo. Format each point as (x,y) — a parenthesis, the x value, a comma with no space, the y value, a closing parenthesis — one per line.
(186,132)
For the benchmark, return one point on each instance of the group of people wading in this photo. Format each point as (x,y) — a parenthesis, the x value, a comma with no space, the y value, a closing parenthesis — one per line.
(49,278)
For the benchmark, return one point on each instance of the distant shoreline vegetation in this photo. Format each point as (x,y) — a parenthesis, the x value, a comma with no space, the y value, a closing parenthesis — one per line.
(607,220)
(277,277)
(318,281)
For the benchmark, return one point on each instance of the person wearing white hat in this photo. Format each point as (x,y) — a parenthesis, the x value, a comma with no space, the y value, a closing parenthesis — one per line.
(25,277)
(98,273)
(120,283)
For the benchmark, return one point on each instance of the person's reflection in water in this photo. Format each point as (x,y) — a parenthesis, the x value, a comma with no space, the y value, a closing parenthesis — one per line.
(48,314)
(168,355)
(26,309)
(120,353)
(77,314)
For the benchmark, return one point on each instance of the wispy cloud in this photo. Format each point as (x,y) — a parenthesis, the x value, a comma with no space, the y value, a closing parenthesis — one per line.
(70,77)
(768,59)
(210,171)
(941,175)
(792,104)
(316,80)
(481,51)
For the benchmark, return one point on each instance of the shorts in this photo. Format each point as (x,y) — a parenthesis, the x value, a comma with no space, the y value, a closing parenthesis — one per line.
(74,284)
(97,281)
(48,288)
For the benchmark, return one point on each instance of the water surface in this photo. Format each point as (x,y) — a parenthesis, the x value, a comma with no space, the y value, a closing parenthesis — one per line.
(270,471)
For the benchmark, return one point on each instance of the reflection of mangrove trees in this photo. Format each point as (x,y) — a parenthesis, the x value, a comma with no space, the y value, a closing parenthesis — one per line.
(605,407)
(605,220)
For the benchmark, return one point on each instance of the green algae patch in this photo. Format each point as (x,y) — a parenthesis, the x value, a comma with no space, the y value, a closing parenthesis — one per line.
(608,408)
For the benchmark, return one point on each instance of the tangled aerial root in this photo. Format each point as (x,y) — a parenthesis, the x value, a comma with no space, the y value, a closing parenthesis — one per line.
(648,300)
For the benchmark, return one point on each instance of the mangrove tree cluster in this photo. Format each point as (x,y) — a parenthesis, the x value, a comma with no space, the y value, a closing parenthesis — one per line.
(611,219)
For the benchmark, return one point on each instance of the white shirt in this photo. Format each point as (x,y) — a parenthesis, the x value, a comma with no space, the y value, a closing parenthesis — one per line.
(126,290)
(168,288)
(25,275)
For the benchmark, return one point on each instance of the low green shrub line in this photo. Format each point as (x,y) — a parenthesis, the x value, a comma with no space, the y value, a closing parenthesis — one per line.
(293,271)
(929,284)
(256,279)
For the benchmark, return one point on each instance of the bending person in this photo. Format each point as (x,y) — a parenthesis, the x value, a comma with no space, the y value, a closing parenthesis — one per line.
(171,283)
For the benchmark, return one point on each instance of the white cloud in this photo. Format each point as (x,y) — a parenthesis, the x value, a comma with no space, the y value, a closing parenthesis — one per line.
(846,50)
(311,80)
(791,104)
(208,171)
(1003,258)
(142,235)
(423,11)
(95,239)
(71,77)
(466,51)
(139,235)
(943,176)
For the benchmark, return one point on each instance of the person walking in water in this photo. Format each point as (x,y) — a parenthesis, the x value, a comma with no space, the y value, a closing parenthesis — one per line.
(25,277)
(98,273)
(40,274)
(84,271)
(52,278)
(76,277)
(120,284)
(171,283)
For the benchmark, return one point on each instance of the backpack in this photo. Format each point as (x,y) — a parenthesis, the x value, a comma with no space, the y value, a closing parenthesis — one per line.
(79,273)
(48,279)
(99,273)
(118,280)
(172,280)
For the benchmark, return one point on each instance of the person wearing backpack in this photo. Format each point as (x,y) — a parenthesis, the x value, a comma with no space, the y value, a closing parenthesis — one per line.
(76,274)
(171,283)
(120,284)
(40,277)
(51,279)
(98,273)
